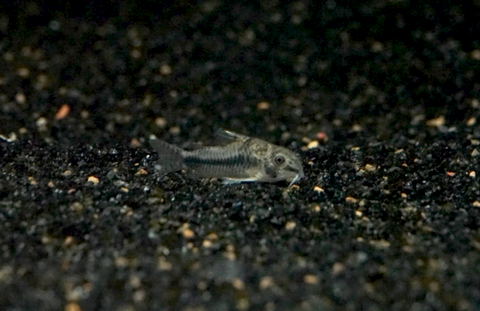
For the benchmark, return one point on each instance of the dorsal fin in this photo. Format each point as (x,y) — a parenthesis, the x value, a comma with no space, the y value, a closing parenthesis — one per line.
(226,134)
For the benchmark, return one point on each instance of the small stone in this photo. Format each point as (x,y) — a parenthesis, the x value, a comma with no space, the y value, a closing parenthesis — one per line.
(165,70)
(475,54)
(238,284)
(32,180)
(471,121)
(318,189)
(474,153)
(188,233)
(63,112)
(290,225)
(41,122)
(135,143)
(450,173)
(266,282)
(93,179)
(20,98)
(472,174)
(67,173)
(476,204)
(370,168)
(358,213)
(163,264)
(322,136)
(175,130)
(23,72)
(351,200)
(338,268)
(263,106)
(313,144)
(475,103)
(141,171)
(310,279)
(73,306)
(436,122)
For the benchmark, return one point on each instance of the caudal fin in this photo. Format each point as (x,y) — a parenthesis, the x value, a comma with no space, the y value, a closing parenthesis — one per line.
(170,158)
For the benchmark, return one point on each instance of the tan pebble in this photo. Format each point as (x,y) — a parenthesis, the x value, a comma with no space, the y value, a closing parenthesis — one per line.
(436,122)
(238,284)
(124,189)
(207,243)
(63,112)
(475,103)
(310,163)
(313,144)
(136,54)
(266,282)
(398,151)
(121,261)
(377,46)
(471,121)
(317,208)
(76,206)
(212,236)
(450,173)
(188,233)
(32,181)
(474,153)
(370,168)
(141,171)
(290,225)
(93,179)
(20,98)
(263,105)
(475,54)
(382,244)
(165,70)
(338,268)
(175,130)
(475,142)
(310,279)
(51,184)
(135,143)
(357,128)
(68,240)
(358,213)
(351,200)
(476,204)
(67,173)
(355,148)
(403,195)
(22,130)
(318,189)
(160,122)
(73,306)
(23,72)
(472,174)
(41,122)
(163,264)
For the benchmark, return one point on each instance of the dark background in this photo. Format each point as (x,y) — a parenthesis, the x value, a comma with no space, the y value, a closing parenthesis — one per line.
(387,218)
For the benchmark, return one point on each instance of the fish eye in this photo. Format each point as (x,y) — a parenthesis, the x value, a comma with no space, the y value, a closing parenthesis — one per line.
(279,159)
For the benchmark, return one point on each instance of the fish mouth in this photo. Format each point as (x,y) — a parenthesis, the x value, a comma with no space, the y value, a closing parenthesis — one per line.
(297,178)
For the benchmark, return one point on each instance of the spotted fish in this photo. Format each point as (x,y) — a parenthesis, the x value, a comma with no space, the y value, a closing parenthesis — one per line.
(243,159)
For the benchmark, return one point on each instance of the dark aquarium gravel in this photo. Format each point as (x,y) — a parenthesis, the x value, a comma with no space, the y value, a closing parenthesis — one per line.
(380,99)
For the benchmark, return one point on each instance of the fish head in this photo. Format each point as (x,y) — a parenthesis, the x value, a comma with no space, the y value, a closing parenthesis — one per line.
(283,164)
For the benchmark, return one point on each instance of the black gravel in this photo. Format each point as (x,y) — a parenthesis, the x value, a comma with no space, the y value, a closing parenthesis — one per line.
(387,218)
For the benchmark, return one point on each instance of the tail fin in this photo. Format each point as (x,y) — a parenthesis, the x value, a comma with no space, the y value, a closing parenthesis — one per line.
(170,158)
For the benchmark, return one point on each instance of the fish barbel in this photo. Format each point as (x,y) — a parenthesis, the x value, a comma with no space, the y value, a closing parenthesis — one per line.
(243,159)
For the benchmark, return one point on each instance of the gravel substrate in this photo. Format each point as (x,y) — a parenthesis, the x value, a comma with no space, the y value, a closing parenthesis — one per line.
(380,99)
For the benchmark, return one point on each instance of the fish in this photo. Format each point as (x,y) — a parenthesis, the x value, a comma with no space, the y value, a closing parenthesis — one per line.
(243,159)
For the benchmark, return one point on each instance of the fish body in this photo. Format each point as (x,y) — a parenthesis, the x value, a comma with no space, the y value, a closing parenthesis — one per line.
(244,159)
